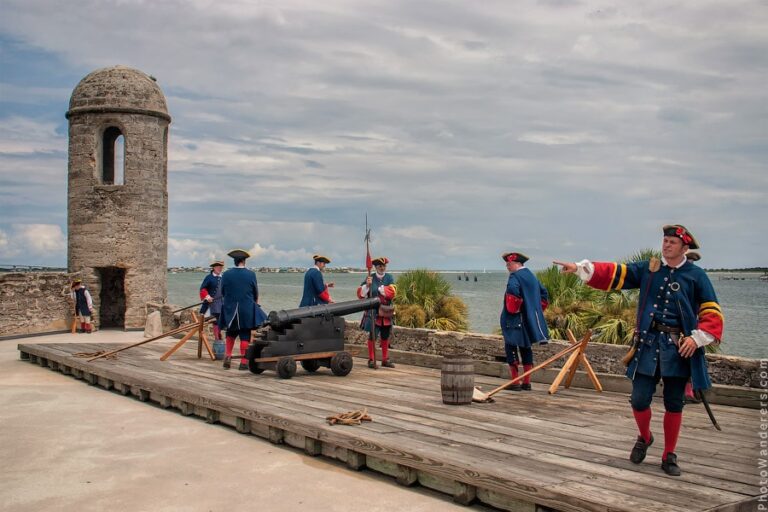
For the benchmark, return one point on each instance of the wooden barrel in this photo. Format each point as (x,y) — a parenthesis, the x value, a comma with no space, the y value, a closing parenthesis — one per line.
(457,380)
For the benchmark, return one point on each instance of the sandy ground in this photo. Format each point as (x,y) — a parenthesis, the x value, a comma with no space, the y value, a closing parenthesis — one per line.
(65,445)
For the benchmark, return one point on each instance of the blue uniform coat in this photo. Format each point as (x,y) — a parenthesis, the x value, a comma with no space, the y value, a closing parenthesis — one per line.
(313,288)
(528,326)
(212,284)
(682,298)
(240,293)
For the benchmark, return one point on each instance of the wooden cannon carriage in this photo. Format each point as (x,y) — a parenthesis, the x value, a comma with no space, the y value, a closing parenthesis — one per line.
(313,336)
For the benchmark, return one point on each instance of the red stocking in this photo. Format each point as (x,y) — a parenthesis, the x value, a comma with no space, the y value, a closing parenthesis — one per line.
(689,390)
(230,345)
(513,372)
(672,423)
(643,420)
(527,378)
(371,351)
(385,350)
(243,349)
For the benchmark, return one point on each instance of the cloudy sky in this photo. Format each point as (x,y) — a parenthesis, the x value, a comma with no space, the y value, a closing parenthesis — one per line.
(559,128)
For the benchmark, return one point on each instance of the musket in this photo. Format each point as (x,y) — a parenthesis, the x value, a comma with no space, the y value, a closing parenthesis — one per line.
(703,397)
(187,307)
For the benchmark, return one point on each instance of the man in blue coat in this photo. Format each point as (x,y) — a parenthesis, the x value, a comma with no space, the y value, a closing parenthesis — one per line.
(522,317)
(240,312)
(211,296)
(315,290)
(677,316)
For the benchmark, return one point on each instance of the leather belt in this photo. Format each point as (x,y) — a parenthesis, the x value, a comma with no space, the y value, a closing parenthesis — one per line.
(656,326)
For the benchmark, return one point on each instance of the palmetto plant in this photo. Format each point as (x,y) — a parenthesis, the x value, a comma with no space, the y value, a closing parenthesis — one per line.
(575,306)
(424,300)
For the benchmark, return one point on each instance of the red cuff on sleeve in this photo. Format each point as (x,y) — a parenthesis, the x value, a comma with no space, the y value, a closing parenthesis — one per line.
(603,275)
(325,296)
(203,294)
(512,303)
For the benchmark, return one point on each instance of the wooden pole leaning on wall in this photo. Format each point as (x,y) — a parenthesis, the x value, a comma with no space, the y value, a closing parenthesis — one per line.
(576,359)
(182,328)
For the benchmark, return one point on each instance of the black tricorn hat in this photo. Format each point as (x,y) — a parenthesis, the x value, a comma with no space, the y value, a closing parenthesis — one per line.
(693,255)
(381,260)
(238,254)
(682,233)
(320,257)
(515,256)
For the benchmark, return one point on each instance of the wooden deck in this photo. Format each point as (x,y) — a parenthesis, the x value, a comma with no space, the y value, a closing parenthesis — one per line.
(566,452)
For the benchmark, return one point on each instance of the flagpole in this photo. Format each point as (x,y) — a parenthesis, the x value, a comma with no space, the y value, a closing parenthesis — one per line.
(371,312)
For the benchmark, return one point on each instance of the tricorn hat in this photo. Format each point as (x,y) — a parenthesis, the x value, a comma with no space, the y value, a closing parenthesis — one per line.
(693,255)
(381,260)
(217,263)
(320,257)
(514,256)
(682,233)
(238,254)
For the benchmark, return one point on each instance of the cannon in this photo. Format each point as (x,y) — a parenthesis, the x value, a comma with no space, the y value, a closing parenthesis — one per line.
(312,335)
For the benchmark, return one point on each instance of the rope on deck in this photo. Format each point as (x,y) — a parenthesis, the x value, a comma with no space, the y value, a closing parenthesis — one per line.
(349,418)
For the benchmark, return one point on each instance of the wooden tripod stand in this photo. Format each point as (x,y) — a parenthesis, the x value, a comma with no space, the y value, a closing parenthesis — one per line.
(576,359)
(198,327)
(195,327)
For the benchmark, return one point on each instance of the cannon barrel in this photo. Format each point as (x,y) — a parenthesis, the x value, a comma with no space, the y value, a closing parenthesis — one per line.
(284,318)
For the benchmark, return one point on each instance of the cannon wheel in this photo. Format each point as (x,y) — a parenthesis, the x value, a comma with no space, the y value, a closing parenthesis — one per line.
(286,367)
(253,365)
(310,365)
(341,364)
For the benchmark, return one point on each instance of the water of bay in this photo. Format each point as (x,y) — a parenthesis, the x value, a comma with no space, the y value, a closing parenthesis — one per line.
(743,298)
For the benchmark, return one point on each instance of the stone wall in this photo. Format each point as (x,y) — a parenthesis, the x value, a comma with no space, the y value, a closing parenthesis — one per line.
(34,302)
(728,370)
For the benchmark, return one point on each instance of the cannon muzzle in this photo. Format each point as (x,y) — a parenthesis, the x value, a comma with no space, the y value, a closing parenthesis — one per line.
(285,318)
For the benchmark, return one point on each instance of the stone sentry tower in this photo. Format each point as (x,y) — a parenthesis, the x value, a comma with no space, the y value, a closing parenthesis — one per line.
(118,193)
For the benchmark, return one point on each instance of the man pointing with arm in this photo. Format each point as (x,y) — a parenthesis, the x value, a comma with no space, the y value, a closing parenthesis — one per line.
(678,314)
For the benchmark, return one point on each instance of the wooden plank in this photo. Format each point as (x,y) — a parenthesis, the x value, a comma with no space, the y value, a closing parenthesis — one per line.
(297,357)
(567,452)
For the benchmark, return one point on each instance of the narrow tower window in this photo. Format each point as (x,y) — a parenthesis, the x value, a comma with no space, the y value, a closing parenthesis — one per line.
(113,157)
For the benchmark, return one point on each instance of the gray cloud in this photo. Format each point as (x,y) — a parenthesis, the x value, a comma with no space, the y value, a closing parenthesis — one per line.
(563,128)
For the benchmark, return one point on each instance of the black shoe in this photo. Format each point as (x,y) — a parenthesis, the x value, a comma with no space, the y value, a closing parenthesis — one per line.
(669,465)
(640,449)
(387,364)
(242,366)
(514,387)
(371,363)
(526,387)
(227,363)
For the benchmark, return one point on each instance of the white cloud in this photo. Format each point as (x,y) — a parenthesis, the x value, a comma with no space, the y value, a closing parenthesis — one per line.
(33,244)
(461,132)
(25,135)
(41,238)
(272,253)
(555,138)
